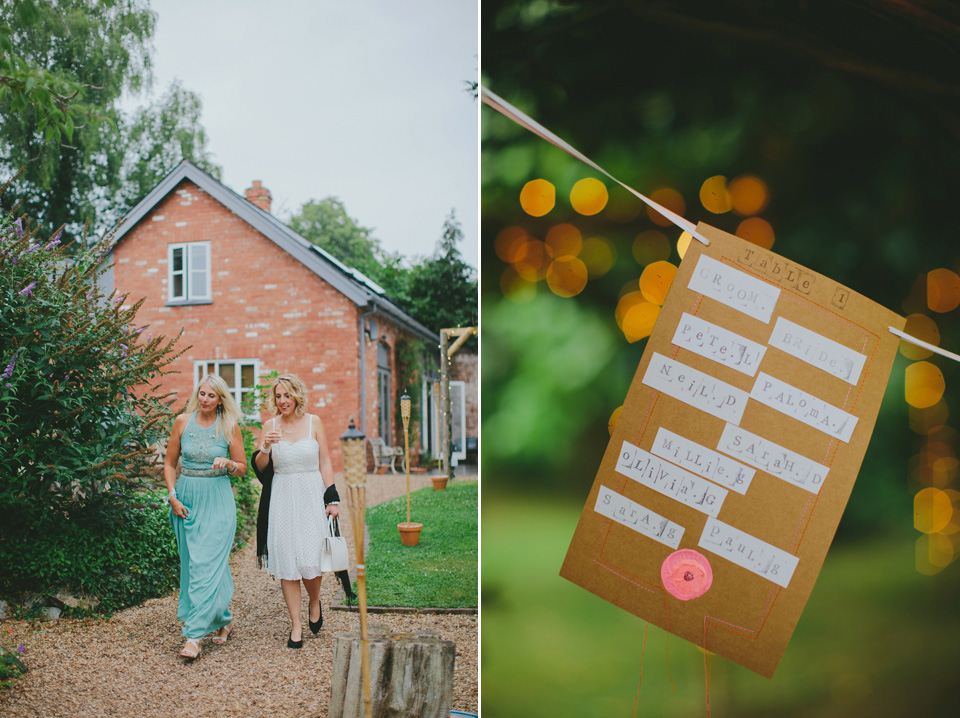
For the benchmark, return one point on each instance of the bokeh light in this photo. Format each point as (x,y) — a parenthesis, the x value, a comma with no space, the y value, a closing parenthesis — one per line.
(567,276)
(668,198)
(932,510)
(509,241)
(651,246)
(929,469)
(929,419)
(563,240)
(757,231)
(516,288)
(655,281)
(749,195)
(683,242)
(538,197)
(953,525)
(628,299)
(612,421)
(934,553)
(921,327)
(714,195)
(589,196)
(924,384)
(943,290)
(531,261)
(638,321)
(599,255)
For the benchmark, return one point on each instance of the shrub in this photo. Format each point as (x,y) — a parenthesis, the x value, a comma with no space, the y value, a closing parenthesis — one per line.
(79,419)
(11,667)
(121,558)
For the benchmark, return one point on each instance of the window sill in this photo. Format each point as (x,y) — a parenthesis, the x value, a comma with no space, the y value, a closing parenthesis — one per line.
(187,302)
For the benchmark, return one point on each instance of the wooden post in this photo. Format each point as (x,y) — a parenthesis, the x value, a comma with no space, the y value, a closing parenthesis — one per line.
(411,675)
(445,428)
(446,410)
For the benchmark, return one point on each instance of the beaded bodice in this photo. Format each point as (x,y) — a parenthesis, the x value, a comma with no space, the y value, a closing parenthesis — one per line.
(199,445)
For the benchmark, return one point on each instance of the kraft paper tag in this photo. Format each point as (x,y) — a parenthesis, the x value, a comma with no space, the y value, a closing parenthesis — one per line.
(735,451)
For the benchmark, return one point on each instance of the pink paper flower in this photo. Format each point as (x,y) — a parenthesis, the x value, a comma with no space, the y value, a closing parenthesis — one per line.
(686,574)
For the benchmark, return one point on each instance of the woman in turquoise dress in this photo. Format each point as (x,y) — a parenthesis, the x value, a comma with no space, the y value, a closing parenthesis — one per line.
(206,441)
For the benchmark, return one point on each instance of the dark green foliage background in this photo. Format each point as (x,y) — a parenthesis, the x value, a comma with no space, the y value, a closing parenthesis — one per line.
(850,116)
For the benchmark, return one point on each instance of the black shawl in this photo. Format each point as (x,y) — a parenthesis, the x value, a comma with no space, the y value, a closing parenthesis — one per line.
(265,476)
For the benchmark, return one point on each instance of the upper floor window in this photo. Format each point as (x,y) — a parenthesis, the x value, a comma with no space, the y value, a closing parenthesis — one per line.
(188,272)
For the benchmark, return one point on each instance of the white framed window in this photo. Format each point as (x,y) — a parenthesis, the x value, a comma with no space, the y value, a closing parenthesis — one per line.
(241,375)
(189,272)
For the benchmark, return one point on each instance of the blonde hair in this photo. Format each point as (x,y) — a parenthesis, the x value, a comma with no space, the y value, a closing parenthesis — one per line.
(227,410)
(297,389)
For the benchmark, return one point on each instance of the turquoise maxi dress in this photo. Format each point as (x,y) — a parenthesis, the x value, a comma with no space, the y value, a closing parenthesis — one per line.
(205,537)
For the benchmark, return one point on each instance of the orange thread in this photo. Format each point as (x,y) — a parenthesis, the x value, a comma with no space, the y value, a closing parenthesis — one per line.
(643,652)
(706,676)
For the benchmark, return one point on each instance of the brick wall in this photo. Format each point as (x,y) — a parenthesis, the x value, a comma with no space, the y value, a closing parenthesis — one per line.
(464,368)
(266,306)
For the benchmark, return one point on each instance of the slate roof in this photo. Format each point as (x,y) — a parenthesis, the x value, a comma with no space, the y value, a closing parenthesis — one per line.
(353,284)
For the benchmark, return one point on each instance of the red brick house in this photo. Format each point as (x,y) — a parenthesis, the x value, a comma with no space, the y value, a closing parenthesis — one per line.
(253,296)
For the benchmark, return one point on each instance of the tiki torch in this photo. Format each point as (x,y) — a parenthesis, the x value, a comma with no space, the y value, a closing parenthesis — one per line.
(405,415)
(355,475)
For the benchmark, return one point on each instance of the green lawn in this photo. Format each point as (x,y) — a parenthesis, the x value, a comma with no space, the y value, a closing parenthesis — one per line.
(440,572)
(875,639)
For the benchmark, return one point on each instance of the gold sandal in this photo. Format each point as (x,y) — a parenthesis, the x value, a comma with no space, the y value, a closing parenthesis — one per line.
(186,651)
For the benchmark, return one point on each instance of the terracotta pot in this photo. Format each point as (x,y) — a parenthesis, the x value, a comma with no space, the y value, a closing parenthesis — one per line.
(409,533)
(439,482)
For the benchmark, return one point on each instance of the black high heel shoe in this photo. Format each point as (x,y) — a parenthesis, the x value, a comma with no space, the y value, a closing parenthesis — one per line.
(294,644)
(315,627)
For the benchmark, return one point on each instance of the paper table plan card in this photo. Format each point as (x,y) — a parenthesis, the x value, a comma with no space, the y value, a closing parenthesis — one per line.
(735,451)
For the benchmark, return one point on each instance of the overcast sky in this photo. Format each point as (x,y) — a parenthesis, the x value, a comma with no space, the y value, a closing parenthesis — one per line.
(364,100)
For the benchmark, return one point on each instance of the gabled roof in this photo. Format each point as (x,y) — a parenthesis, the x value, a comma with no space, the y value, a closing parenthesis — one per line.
(353,284)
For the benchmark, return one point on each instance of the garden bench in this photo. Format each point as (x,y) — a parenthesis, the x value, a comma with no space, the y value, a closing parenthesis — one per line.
(384,455)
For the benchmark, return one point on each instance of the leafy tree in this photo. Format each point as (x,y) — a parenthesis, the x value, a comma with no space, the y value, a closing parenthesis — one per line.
(101,45)
(327,224)
(55,100)
(94,50)
(442,289)
(157,138)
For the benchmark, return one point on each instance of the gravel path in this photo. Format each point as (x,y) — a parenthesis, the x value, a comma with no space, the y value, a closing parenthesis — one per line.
(129,665)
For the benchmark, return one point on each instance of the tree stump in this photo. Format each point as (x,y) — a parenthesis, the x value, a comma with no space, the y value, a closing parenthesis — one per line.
(411,674)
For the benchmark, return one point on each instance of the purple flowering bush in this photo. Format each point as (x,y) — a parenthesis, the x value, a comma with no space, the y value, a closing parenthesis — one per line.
(78,427)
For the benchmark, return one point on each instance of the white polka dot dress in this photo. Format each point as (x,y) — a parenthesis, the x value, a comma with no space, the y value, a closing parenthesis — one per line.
(297,523)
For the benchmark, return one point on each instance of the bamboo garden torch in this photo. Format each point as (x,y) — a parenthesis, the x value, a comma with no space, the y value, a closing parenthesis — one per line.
(355,473)
(409,530)
(405,416)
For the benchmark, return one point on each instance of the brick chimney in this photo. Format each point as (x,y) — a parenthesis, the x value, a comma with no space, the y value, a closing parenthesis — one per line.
(259,195)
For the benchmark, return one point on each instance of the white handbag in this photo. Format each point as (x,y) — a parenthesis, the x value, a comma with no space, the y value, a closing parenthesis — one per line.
(333,553)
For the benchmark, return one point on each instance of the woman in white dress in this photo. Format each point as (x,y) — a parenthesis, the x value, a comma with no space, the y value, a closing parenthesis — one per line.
(295,444)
